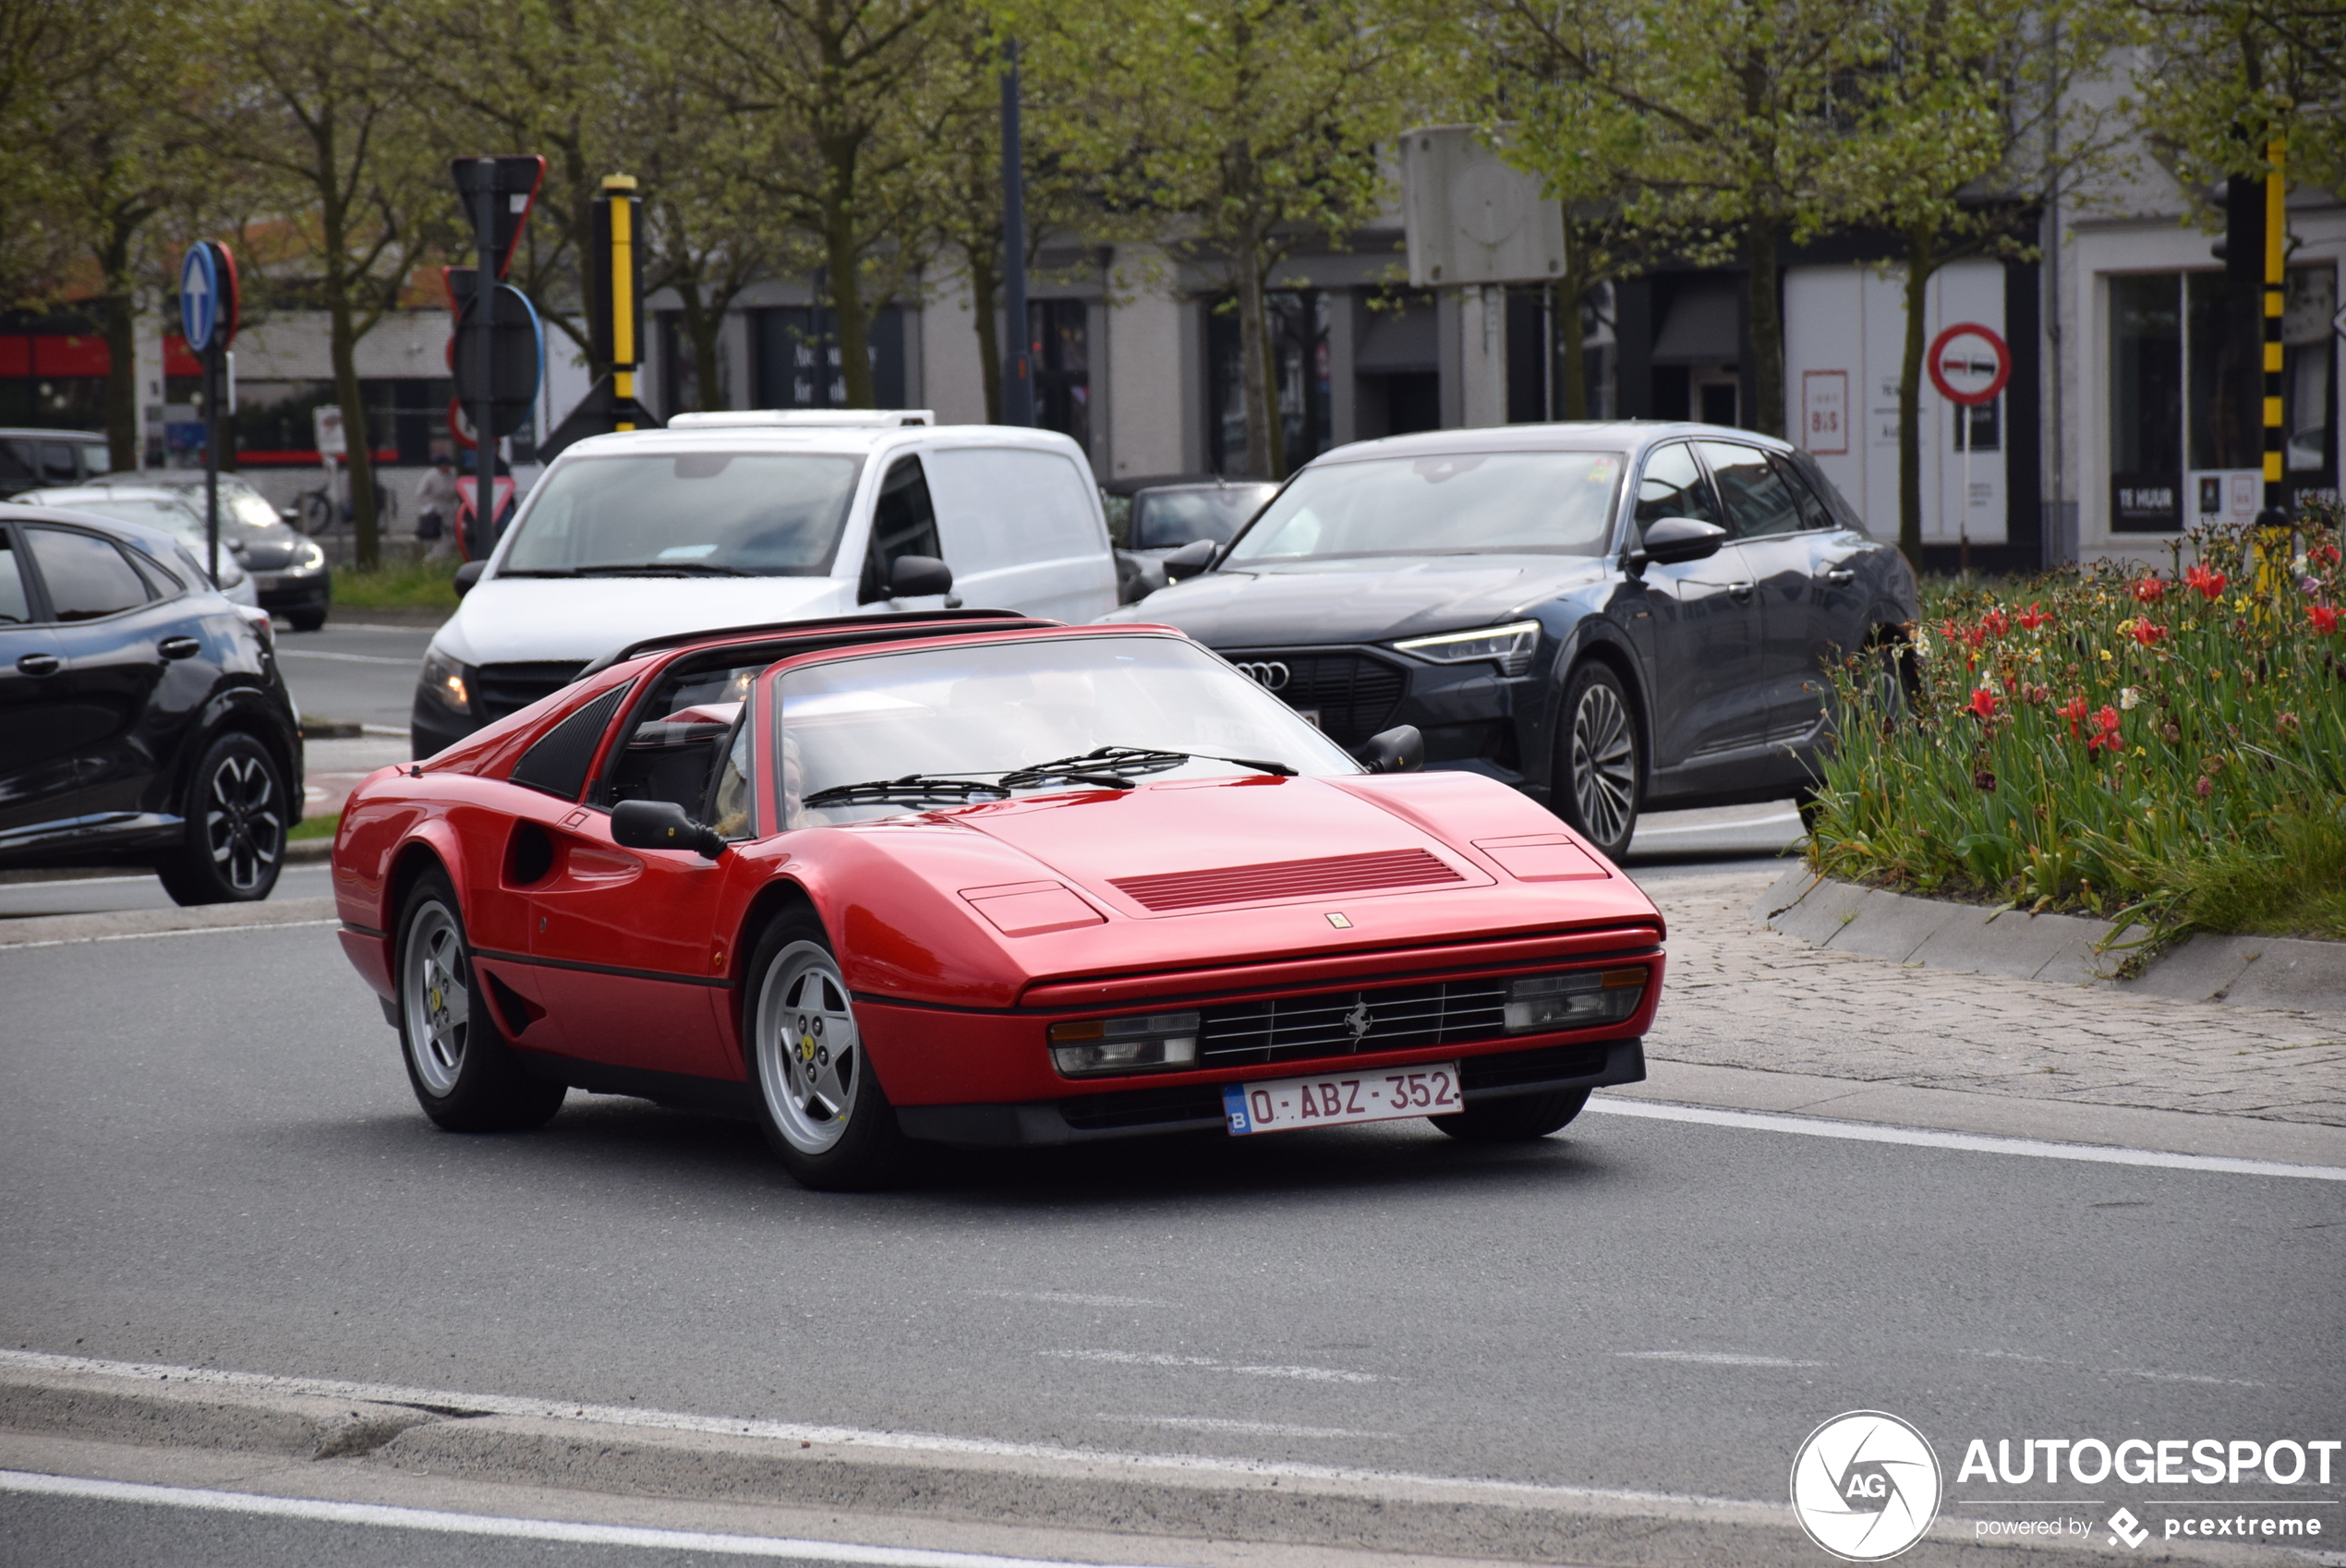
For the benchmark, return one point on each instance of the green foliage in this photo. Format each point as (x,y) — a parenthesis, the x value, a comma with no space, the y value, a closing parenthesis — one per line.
(398,585)
(2168,746)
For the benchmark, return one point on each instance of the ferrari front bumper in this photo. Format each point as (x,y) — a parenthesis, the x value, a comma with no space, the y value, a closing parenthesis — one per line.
(1197,1107)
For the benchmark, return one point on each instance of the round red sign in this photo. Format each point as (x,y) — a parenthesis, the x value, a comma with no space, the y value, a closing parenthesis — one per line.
(1969,351)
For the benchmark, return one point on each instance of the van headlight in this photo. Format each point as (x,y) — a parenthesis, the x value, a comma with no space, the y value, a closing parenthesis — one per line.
(444,679)
(1573,1001)
(1154,1043)
(1509,647)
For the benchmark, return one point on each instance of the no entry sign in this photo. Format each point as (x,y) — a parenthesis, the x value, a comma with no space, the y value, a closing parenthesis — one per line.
(1969,364)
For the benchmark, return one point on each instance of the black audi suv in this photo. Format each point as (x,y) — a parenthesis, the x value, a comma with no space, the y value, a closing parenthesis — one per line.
(144,719)
(1611,617)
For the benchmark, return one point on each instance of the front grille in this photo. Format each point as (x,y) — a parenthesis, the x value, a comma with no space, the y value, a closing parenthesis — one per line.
(1355,696)
(1327,875)
(1343,1023)
(500,689)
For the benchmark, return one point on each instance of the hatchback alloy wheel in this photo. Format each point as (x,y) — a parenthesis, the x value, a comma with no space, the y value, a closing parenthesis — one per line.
(244,822)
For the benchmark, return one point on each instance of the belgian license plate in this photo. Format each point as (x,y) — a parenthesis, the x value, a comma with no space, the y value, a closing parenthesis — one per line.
(264,581)
(1283,1104)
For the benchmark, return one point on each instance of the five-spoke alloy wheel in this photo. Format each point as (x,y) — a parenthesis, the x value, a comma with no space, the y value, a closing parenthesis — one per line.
(463,1074)
(819,1101)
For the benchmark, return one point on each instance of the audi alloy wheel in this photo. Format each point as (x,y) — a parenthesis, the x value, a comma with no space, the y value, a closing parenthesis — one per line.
(1600,771)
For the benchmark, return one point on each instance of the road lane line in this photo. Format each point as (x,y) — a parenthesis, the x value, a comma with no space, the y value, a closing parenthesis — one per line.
(1713,1358)
(1206,1363)
(7,947)
(387,1516)
(285,652)
(787,1432)
(1973,1142)
(1220,1424)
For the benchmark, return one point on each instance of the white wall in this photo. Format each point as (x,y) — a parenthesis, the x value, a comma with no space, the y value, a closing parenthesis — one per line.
(1145,370)
(1845,335)
(953,378)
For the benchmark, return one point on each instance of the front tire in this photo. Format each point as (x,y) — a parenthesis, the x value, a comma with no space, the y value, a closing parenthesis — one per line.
(465,1076)
(819,1103)
(238,810)
(1516,1119)
(1598,767)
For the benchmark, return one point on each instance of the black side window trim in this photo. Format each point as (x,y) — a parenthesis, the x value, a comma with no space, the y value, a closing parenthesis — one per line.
(559,761)
(36,592)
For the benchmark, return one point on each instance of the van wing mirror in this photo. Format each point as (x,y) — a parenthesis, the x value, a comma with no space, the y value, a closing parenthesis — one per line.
(661,825)
(914,577)
(1189,560)
(467,575)
(1669,540)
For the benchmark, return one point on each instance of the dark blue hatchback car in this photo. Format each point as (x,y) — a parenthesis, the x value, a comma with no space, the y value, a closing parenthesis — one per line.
(1611,617)
(144,719)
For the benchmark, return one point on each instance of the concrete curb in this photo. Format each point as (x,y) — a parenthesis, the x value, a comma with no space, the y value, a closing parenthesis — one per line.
(2253,972)
(1186,1497)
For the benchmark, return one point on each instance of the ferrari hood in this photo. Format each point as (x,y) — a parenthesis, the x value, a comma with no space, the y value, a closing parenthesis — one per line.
(1193,844)
(517,618)
(1359,601)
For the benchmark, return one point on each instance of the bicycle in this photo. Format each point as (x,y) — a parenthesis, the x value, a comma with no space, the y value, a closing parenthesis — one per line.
(322,511)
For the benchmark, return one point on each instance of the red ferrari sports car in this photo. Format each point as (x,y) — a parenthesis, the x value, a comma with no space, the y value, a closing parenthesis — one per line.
(982,880)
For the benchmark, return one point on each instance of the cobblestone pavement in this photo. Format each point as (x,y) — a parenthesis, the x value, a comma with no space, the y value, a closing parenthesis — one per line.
(1738,994)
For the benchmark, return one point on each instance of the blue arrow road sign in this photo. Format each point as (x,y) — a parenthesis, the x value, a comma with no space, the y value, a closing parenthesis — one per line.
(198,297)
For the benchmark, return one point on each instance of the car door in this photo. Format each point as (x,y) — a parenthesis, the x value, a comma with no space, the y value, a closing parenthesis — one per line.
(39,729)
(123,643)
(624,938)
(1840,598)
(903,522)
(1696,621)
(1022,530)
(1772,528)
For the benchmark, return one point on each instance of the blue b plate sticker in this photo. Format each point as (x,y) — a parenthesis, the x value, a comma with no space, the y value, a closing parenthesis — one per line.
(1234,1102)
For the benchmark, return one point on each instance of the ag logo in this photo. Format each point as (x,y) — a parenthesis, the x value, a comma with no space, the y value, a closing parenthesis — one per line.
(1865,1486)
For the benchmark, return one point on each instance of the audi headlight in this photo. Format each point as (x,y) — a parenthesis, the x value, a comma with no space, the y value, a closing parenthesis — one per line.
(444,679)
(1573,1001)
(1154,1043)
(1509,647)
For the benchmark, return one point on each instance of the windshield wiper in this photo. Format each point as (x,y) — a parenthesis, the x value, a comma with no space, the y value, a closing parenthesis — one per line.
(912,786)
(665,569)
(537,572)
(1107,764)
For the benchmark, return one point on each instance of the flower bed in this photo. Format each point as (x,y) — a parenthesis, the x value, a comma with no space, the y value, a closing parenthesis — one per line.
(2166,746)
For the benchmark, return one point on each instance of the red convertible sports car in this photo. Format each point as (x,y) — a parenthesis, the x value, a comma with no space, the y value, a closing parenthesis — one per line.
(979,879)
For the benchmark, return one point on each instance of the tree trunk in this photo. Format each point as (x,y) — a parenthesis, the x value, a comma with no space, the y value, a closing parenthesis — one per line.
(986,291)
(343,342)
(1567,294)
(854,332)
(1921,262)
(702,325)
(1767,334)
(1254,361)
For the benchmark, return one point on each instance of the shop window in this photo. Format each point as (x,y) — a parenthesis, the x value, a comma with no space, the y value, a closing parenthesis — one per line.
(794,354)
(1299,342)
(1059,356)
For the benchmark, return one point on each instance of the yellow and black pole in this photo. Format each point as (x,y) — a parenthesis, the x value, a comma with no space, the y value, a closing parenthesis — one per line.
(619,198)
(2275,263)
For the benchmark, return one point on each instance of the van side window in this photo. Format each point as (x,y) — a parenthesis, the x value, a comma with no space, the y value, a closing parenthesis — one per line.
(902,523)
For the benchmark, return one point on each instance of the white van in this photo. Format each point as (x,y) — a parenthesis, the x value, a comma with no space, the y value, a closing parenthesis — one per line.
(744,519)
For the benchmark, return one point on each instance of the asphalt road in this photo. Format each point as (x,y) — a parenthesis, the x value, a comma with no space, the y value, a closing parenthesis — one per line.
(208,1156)
(356,671)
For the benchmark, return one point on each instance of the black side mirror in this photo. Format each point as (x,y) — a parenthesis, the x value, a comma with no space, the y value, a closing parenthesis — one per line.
(1399,749)
(1189,560)
(915,576)
(661,825)
(1669,540)
(467,575)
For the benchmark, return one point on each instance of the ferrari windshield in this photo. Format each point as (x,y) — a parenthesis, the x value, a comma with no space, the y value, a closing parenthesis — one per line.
(943,725)
(686,514)
(1457,503)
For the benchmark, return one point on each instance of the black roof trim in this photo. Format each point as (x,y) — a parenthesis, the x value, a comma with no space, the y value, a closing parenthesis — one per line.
(837,628)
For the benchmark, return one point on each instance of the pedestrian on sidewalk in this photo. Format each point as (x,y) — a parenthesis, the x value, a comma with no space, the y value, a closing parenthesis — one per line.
(435,507)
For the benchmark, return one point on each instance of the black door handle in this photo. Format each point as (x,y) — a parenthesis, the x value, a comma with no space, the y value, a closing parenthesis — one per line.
(179,647)
(40,664)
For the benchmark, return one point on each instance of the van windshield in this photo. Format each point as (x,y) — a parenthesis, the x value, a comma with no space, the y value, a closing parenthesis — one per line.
(685,514)
(1457,503)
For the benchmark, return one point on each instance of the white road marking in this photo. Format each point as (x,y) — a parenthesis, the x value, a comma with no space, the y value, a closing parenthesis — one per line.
(385,1516)
(8,947)
(1155,1358)
(791,1432)
(1071,1299)
(1973,1142)
(1217,1424)
(1713,1358)
(285,652)
(1716,827)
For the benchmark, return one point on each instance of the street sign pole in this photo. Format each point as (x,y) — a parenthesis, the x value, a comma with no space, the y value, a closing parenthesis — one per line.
(213,395)
(1999,371)
(484,407)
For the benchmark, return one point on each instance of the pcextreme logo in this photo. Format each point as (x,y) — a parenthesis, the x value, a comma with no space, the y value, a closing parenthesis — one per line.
(1865,1486)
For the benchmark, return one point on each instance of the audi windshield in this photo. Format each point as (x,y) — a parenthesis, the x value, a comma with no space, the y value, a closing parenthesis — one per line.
(1459,503)
(689,513)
